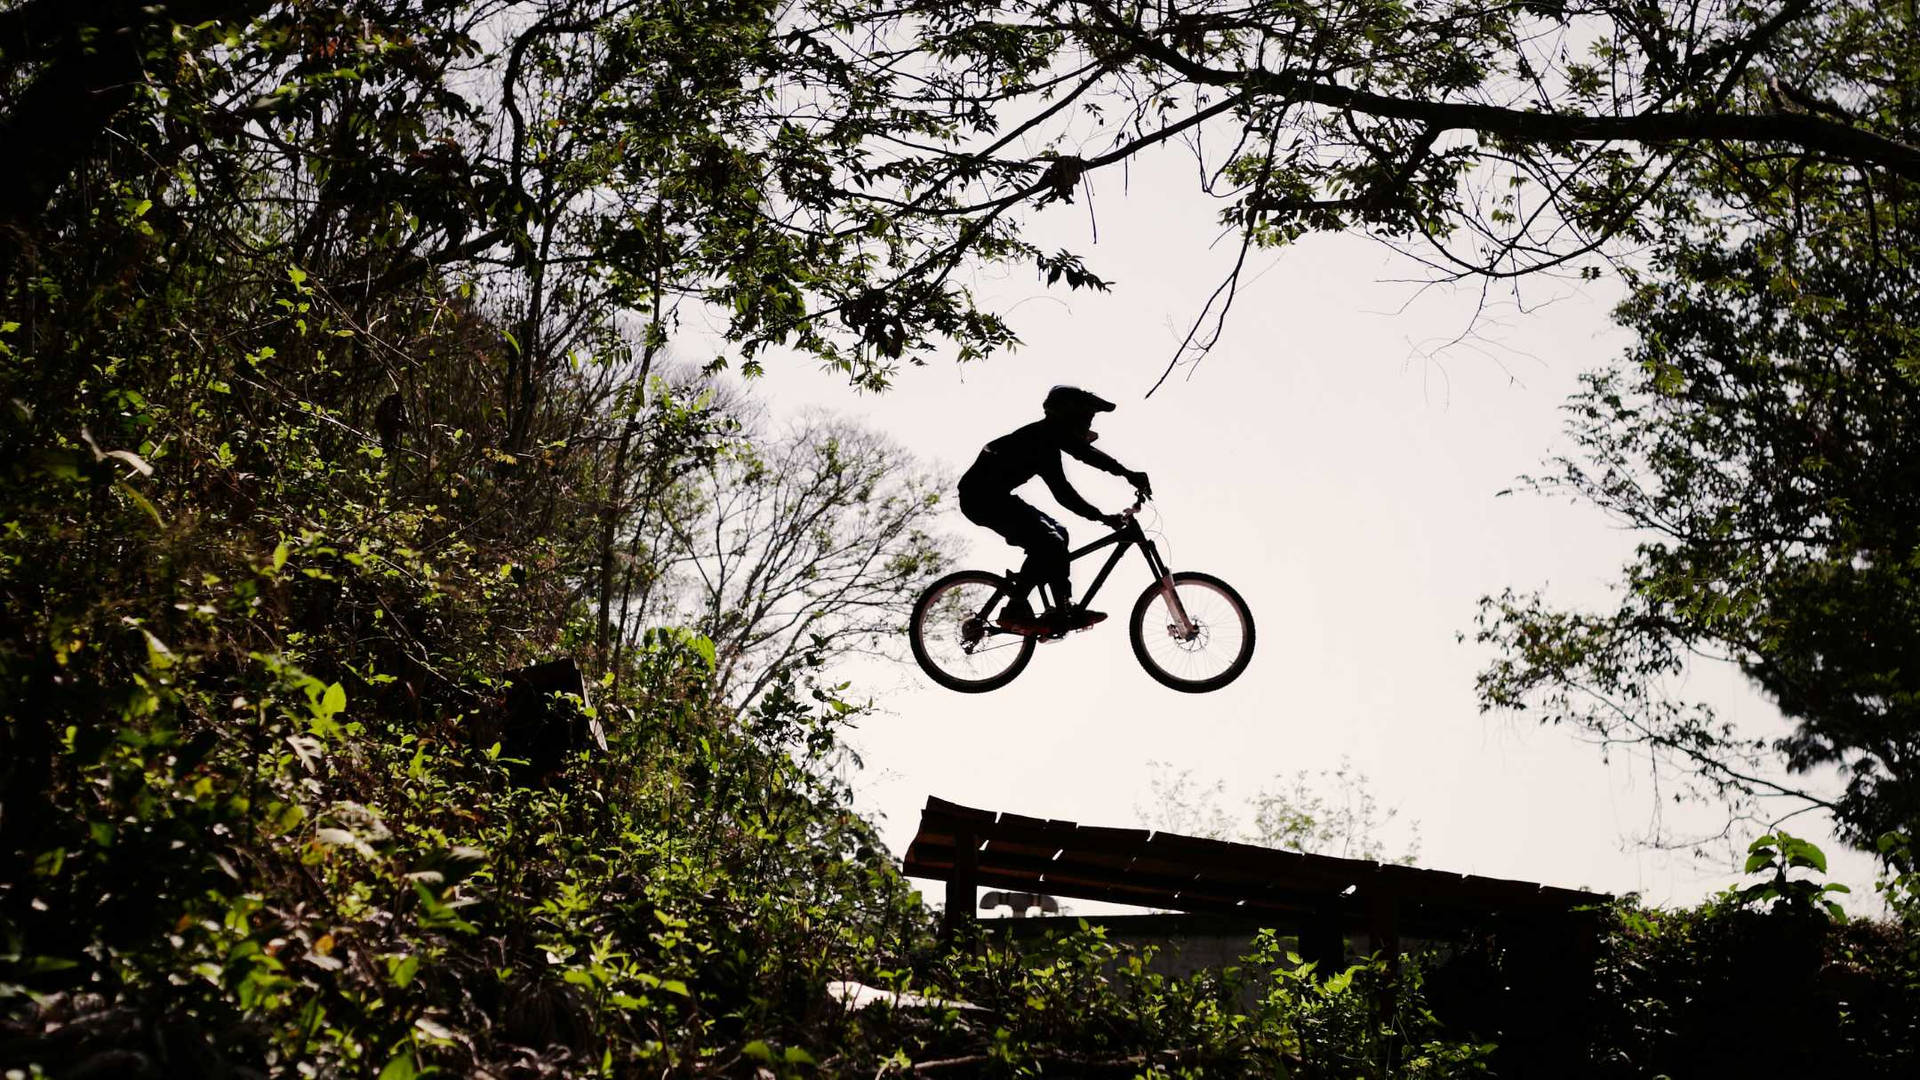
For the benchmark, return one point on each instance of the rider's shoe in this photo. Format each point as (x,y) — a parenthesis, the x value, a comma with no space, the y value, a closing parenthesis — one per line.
(1020,619)
(1069,619)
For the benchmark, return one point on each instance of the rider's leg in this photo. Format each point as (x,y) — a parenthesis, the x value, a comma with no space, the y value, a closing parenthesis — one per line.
(1048,562)
(1041,537)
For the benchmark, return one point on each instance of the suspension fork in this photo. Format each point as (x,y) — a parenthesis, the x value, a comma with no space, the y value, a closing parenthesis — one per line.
(1182,622)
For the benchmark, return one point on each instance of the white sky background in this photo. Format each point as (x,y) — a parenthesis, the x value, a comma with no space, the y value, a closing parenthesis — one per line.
(1326,462)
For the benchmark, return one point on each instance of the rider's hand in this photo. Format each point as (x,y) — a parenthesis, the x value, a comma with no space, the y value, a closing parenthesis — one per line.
(1115,521)
(1140,483)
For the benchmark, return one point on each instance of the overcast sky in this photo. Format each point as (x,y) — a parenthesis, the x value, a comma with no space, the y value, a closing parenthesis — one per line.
(1339,463)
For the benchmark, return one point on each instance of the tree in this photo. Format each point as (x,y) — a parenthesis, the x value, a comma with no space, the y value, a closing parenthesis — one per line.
(1763,433)
(794,549)
(1494,140)
(818,174)
(1324,812)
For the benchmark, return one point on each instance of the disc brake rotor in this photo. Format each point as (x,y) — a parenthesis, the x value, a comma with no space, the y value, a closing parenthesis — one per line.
(1197,639)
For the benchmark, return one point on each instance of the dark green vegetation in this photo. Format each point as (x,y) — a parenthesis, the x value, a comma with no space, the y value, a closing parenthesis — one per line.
(333,387)
(1760,979)
(1764,434)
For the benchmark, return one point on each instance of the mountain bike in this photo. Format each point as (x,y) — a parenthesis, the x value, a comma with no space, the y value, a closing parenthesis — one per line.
(1190,631)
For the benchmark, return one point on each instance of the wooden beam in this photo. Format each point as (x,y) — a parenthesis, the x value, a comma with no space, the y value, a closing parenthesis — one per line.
(963,884)
(1323,944)
(1383,925)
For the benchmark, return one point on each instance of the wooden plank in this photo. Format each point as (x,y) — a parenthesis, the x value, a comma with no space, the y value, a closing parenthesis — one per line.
(1167,891)
(926,848)
(1034,831)
(1120,895)
(1045,849)
(1225,852)
(1244,862)
(1444,884)
(1069,872)
(1103,838)
(1067,867)
(940,807)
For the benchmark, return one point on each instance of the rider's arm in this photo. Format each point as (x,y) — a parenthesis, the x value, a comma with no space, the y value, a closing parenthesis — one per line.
(1064,494)
(1099,460)
(1096,458)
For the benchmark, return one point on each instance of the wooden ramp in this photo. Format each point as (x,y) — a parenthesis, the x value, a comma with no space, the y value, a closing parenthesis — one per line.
(1318,897)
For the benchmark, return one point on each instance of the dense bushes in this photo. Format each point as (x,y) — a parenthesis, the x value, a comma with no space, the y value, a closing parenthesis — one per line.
(1728,989)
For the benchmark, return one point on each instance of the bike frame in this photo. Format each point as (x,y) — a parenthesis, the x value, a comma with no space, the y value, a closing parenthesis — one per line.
(1129,536)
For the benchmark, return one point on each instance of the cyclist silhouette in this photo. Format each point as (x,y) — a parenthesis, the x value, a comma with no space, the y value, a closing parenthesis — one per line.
(987,499)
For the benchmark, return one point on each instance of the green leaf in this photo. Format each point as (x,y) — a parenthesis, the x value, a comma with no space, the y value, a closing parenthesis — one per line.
(140,501)
(403,969)
(41,965)
(334,700)
(1805,853)
(400,1068)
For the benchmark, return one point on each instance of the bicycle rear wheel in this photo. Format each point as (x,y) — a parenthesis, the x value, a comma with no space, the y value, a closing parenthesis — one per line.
(955,640)
(1210,651)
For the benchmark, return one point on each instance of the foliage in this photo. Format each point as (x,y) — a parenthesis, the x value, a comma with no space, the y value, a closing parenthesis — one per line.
(1331,812)
(1496,140)
(1781,853)
(1900,887)
(1760,434)
(578,159)
(276,513)
(820,175)
(1725,988)
(248,648)
(1681,991)
(1074,1002)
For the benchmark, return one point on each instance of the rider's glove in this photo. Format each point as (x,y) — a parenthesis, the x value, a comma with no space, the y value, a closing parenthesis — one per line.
(1140,483)
(1115,521)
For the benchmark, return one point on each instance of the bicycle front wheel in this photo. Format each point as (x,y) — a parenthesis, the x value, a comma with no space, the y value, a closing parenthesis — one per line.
(1205,651)
(954,637)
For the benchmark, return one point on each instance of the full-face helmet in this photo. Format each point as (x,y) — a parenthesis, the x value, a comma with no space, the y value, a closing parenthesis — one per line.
(1071,402)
